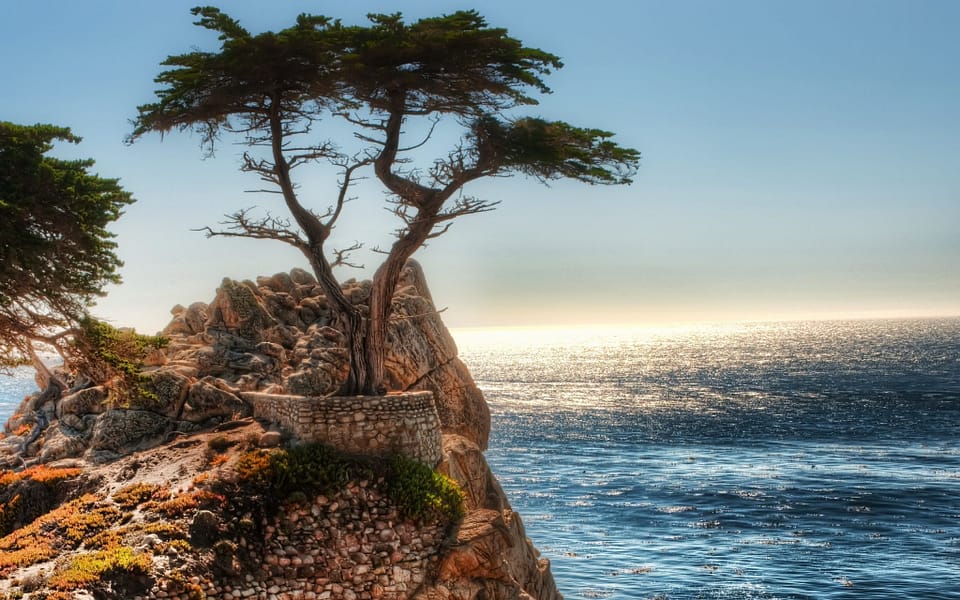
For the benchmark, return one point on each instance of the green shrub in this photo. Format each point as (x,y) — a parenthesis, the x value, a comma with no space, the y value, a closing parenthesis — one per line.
(104,351)
(92,567)
(135,494)
(311,468)
(419,491)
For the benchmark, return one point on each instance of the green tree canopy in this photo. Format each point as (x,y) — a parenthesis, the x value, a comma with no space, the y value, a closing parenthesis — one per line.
(275,88)
(56,253)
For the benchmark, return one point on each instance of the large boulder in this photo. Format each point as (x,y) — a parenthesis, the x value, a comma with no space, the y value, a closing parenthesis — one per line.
(460,402)
(120,431)
(238,307)
(162,391)
(491,556)
(423,356)
(90,400)
(210,399)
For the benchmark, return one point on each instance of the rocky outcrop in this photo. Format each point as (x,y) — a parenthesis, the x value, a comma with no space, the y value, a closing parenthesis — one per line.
(276,337)
(423,356)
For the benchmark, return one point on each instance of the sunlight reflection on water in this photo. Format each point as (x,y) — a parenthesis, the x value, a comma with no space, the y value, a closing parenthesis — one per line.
(785,460)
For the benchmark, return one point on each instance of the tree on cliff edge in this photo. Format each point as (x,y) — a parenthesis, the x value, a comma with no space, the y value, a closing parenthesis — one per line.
(56,254)
(274,88)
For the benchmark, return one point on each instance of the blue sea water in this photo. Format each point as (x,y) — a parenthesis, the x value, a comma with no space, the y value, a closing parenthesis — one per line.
(806,460)
(13,389)
(799,460)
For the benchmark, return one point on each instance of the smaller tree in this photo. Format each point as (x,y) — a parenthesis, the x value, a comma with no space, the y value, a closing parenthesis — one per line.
(56,254)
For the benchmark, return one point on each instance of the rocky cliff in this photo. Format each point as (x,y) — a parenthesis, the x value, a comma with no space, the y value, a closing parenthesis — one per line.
(182,448)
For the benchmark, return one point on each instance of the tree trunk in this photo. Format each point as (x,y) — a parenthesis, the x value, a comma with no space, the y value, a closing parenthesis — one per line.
(316,233)
(381,304)
(43,376)
(350,319)
(385,282)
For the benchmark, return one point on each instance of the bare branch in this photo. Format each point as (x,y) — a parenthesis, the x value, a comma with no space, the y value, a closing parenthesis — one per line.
(435,119)
(380,125)
(369,140)
(344,186)
(340,256)
(240,224)
(439,232)
(262,191)
(397,317)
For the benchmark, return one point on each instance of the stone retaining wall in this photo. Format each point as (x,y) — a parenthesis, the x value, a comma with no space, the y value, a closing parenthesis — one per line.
(404,423)
(354,545)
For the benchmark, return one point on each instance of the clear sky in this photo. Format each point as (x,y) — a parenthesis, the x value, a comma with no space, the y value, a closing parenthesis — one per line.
(800,159)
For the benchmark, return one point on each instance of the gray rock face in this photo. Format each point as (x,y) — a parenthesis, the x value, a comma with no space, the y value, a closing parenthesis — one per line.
(60,443)
(423,356)
(122,431)
(491,557)
(206,400)
(88,401)
(163,391)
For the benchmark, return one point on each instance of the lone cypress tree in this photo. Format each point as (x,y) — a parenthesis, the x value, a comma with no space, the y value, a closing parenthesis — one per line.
(273,89)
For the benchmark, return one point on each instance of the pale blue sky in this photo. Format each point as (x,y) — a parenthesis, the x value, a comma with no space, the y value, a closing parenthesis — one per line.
(800,159)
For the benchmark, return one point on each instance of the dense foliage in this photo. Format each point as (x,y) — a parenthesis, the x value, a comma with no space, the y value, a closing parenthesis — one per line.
(114,357)
(419,491)
(382,79)
(56,253)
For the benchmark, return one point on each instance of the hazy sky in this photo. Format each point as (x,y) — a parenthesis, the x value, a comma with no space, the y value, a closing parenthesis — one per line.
(799,159)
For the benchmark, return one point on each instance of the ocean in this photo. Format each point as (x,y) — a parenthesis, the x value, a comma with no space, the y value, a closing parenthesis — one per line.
(801,460)
(804,460)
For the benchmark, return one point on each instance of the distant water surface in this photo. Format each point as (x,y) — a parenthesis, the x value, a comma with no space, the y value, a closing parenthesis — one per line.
(787,460)
(13,390)
(810,460)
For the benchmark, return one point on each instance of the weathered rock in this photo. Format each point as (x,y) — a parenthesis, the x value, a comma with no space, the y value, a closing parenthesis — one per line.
(162,391)
(270,439)
(58,444)
(460,402)
(120,430)
(310,381)
(491,559)
(423,356)
(78,423)
(238,307)
(187,321)
(301,277)
(195,317)
(463,461)
(205,528)
(206,400)
(492,556)
(87,401)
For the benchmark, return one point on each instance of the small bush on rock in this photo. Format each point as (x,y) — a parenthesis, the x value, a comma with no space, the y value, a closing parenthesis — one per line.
(134,494)
(219,443)
(105,352)
(419,491)
(422,492)
(93,567)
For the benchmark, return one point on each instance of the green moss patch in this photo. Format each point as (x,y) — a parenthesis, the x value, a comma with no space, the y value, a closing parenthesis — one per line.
(419,491)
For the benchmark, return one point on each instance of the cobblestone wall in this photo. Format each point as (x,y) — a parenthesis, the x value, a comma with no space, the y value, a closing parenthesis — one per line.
(404,423)
(353,545)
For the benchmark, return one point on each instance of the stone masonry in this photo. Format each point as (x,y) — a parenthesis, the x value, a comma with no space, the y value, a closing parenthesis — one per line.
(405,423)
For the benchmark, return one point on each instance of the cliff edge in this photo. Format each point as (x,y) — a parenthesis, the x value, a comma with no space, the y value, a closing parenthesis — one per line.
(189,488)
